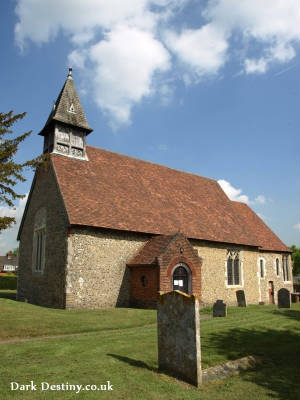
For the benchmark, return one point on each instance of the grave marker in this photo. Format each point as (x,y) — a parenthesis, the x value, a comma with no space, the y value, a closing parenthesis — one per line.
(241,299)
(178,325)
(284,298)
(219,309)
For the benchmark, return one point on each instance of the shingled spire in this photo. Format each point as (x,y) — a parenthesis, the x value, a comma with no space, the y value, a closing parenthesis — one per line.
(66,128)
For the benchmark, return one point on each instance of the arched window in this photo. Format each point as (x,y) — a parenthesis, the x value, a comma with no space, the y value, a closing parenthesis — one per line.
(233,268)
(181,278)
(261,265)
(39,241)
(261,268)
(285,268)
(277,266)
(229,271)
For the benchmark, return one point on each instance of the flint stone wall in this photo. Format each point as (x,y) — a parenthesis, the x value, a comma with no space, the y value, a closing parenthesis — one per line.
(178,325)
(46,287)
(214,269)
(96,272)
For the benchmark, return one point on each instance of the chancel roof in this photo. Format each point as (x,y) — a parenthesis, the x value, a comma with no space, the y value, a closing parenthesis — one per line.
(120,192)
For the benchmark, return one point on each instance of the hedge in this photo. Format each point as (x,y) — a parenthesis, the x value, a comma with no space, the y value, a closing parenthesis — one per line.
(8,282)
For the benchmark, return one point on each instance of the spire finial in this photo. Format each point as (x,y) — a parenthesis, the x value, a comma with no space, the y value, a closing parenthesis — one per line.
(70,73)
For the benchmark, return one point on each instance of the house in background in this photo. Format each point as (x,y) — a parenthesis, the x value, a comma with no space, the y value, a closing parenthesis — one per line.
(9,263)
(101,229)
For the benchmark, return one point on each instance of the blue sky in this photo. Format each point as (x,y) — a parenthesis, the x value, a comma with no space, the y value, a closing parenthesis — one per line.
(208,87)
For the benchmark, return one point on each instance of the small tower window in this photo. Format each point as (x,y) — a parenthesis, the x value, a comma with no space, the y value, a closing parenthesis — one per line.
(72,109)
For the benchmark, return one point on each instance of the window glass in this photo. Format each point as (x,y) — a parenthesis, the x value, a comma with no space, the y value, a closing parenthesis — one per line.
(277,267)
(236,271)
(229,271)
(261,262)
(285,268)
(39,246)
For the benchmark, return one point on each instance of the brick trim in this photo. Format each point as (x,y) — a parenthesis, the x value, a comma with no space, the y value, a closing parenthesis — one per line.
(181,259)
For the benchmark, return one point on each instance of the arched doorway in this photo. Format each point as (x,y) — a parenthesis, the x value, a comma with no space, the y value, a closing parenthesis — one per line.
(181,278)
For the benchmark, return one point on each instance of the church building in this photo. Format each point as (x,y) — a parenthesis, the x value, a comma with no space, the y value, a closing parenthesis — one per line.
(101,229)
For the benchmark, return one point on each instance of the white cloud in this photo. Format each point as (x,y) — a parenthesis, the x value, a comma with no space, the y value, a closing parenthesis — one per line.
(297,226)
(264,20)
(203,50)
(9,236)
(260,199)
(237,195)
(253,66)
(124,67)
(120,45)
(41,21)
(271,24)
(233,193)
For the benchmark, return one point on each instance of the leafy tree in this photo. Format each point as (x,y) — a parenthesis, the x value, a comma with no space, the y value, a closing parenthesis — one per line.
(296,259)
(10,171)
(13,252)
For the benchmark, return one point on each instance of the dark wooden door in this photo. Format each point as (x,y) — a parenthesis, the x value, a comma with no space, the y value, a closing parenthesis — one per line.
(271,292)
(180,279)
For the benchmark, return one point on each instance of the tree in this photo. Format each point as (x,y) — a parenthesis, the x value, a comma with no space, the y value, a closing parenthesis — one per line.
(296,259)
(14,252)
(10,171)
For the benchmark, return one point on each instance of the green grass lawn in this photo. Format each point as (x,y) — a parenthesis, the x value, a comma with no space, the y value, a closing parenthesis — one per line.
(122,349)
(21,320)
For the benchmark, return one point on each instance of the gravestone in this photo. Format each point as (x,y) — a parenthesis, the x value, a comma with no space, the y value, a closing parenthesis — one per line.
(284,298)
(219,309)
(178,327)
(241,298)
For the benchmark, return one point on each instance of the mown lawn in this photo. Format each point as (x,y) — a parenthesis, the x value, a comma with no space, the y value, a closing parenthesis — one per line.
(123,350)
(21,320)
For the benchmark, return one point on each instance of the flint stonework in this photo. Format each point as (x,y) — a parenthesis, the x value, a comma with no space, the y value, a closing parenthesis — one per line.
(284,298)
(219,309)
(241,298)
(178,324)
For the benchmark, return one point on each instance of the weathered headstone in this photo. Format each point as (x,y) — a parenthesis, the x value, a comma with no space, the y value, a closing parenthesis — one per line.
(241,298)
(284,298)
(178,325)
(219,309)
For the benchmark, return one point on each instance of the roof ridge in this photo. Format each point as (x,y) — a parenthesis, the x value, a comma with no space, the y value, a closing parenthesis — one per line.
(255,215)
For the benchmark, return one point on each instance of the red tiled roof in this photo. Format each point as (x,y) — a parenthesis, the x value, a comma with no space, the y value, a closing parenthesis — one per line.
(120,192)
(148,254)
(266,238)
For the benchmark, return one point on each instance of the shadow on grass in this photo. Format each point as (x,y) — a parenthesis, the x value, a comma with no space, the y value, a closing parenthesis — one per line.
(131,361)
(9,294)
(279,350)
(293,314)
